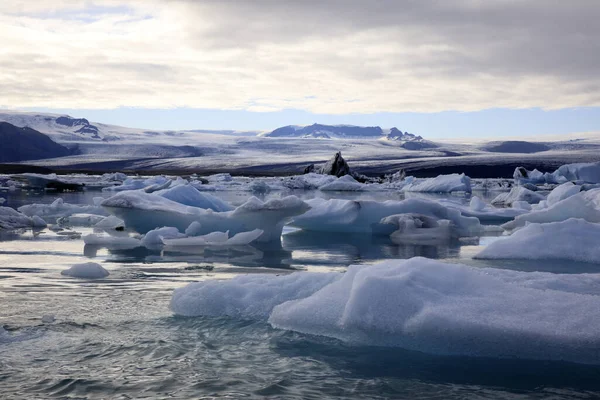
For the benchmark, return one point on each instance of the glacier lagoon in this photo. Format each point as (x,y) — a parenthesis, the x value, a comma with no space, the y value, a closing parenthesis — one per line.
(118,336)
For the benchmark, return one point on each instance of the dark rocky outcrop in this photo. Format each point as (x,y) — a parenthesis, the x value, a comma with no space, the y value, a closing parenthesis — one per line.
(336,166)
(86,127)
(20,144)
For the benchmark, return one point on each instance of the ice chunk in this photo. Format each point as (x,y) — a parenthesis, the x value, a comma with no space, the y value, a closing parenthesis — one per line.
(441,184)
(365,216)
(88,270)
(80,220)
(345,183)
(140,183)
(485,212)
(12,219)
(156,236)
(115,242)
(216,239)
(419,304)
(518,193)
(581,172)
(523,205)
(419,229)
(110,223)
(521,175)
(573,239)
(38,222)
(190,196)
(584,205)
(58,209)
(561,192)
(310,181)
(476,204)
(144,212)
(246,296)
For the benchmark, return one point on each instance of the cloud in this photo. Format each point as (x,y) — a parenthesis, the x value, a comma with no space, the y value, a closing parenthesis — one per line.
(322,56)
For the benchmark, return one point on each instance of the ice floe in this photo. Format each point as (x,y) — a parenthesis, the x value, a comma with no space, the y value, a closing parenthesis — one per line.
(11,219)
(440,184)
(215,239)
(584,205)
(419,304)
(144,212)
(51,212)
(572,239)
(365,216)
(518,193)
(88,270)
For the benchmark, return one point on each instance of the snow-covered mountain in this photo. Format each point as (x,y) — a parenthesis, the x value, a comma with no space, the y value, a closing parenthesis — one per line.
(320,131)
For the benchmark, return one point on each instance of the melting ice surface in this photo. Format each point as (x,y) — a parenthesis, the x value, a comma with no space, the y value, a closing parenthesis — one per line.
(292,321)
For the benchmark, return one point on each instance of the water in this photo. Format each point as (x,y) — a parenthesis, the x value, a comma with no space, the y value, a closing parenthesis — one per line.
(116,338)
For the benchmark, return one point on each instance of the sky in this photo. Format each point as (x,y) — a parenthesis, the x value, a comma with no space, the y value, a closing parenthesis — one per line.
(438,68)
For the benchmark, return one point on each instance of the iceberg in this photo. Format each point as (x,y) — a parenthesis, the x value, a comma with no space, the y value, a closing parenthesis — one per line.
(477,208)
(190,196)
(573,239)
(439,184)
(113,242)
(517,193)
(51,212)
(419,229)
(365,216)
(156,236)
(12,219)
(215,239)
(561,192)
(88,270)
(419,304)
(144,212)
(584,205)
(80,220)
(344,183)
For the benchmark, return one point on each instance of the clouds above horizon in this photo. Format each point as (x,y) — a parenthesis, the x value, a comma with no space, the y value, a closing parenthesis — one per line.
(335,57)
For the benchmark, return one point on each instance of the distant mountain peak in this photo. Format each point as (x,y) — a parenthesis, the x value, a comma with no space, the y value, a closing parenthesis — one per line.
(321,131)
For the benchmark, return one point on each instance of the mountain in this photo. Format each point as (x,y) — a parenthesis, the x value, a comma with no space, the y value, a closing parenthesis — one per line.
(20,144)
(320,131)
(327,132)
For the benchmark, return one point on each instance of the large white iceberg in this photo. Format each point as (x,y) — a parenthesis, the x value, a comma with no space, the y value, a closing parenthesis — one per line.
(419,304)
(584,205)
(441,183)
(365,216)
(144,212)
(573,239)
(518,193)
(561,192)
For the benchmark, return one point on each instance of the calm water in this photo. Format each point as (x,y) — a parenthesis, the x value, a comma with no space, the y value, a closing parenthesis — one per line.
(116,338)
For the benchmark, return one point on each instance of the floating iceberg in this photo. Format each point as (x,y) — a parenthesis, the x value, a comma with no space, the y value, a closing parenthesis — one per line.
(579,172)
(88,270)
(215,239)
(110,223)
(365,216)
(12,219)
(561,192)
(80,220)
(584,205)
(419,304)
(156,236)
(518,193)
(190,196)
(112,242)
(51,212)
(573,239)
(419,229)
(344,183)
(144,212)
(441,184)
(483,211)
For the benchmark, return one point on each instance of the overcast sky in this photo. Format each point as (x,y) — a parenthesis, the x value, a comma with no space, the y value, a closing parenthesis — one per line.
(263,61)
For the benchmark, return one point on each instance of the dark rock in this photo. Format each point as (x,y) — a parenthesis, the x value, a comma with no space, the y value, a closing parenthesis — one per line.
(336,166)
(310,168)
